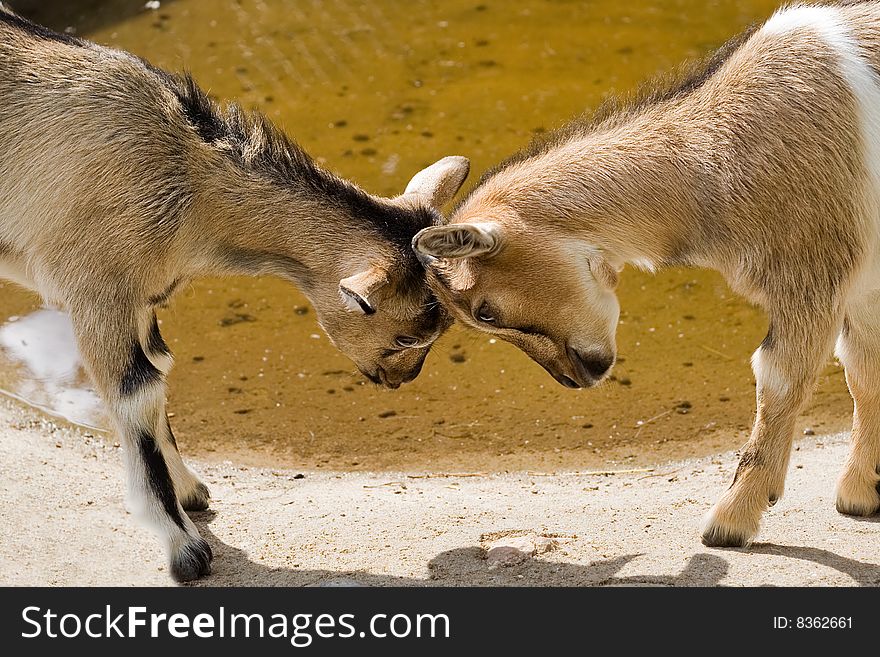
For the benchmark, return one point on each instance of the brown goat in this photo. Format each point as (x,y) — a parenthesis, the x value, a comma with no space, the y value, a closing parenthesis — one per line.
(763,164)
(119,183)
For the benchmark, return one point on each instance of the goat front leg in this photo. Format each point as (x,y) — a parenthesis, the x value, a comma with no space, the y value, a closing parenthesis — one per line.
(109,337)
(192,493)
(785,365)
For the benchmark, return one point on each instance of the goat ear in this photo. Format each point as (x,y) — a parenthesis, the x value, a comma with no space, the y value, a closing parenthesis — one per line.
(357,289)
(437,184)
(454,241)
(603,271)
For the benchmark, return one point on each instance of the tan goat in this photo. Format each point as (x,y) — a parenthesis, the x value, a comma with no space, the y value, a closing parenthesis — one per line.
(119,183)
(763,163)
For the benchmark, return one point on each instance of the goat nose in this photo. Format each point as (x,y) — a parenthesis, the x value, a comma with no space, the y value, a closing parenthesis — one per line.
(595,364)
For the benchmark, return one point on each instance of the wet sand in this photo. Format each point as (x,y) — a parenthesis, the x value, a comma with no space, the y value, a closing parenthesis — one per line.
(284,397)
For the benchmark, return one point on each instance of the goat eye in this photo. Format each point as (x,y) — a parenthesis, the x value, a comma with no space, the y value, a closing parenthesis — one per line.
(484,315)
(406,341)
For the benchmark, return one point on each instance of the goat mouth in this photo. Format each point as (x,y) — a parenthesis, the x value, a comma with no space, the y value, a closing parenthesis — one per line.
(568,382)
(380,378)
(372,377)
(564,379)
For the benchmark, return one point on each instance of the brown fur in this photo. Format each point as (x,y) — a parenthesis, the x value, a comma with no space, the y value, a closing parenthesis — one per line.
(119,183)
(756,166)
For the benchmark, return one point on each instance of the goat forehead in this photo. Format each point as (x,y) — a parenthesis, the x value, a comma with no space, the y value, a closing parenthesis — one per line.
(419,312)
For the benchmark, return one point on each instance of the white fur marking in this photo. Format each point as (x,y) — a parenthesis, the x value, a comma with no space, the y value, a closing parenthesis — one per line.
(161,362)
(796,17)
(135,411)
(768,375)
(840,349)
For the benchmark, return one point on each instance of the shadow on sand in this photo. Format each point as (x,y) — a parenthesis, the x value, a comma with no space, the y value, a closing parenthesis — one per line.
(862,573)
(466,566)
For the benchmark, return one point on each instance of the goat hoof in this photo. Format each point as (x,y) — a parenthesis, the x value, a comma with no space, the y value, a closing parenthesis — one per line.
(191,561)
(197,500)
(717,536)
(724,527)
(858,495)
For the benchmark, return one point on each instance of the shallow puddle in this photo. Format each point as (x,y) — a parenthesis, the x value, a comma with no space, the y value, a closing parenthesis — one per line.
(378,90)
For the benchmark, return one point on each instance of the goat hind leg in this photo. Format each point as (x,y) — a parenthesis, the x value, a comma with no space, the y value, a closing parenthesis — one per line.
(858,347)
(191,492)
(134,391)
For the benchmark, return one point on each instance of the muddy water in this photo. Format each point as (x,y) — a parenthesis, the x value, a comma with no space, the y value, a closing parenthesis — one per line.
(378,90)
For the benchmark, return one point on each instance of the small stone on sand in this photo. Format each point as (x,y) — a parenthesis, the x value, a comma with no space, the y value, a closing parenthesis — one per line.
(512,550)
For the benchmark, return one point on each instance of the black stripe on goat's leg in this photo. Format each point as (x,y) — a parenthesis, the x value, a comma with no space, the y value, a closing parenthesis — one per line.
(191,492)
(155,343)
(133,389)
(191,558)
(158,477)
(143,393)
(155,346)
(140,373)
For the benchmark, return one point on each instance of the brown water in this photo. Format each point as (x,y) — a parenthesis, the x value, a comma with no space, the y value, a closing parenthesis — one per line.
(377,90)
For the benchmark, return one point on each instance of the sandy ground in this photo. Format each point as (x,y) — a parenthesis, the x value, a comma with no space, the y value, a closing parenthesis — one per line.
(64,523)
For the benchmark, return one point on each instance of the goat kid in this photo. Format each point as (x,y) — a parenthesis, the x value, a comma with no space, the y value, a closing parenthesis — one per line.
(763,163)
(119,183)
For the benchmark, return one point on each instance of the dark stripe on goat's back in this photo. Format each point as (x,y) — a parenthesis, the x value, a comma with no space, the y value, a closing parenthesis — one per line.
(158,477)
(200,111)
(37,30)
(392,223)
(253,142)
(140,372)
(155,343)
